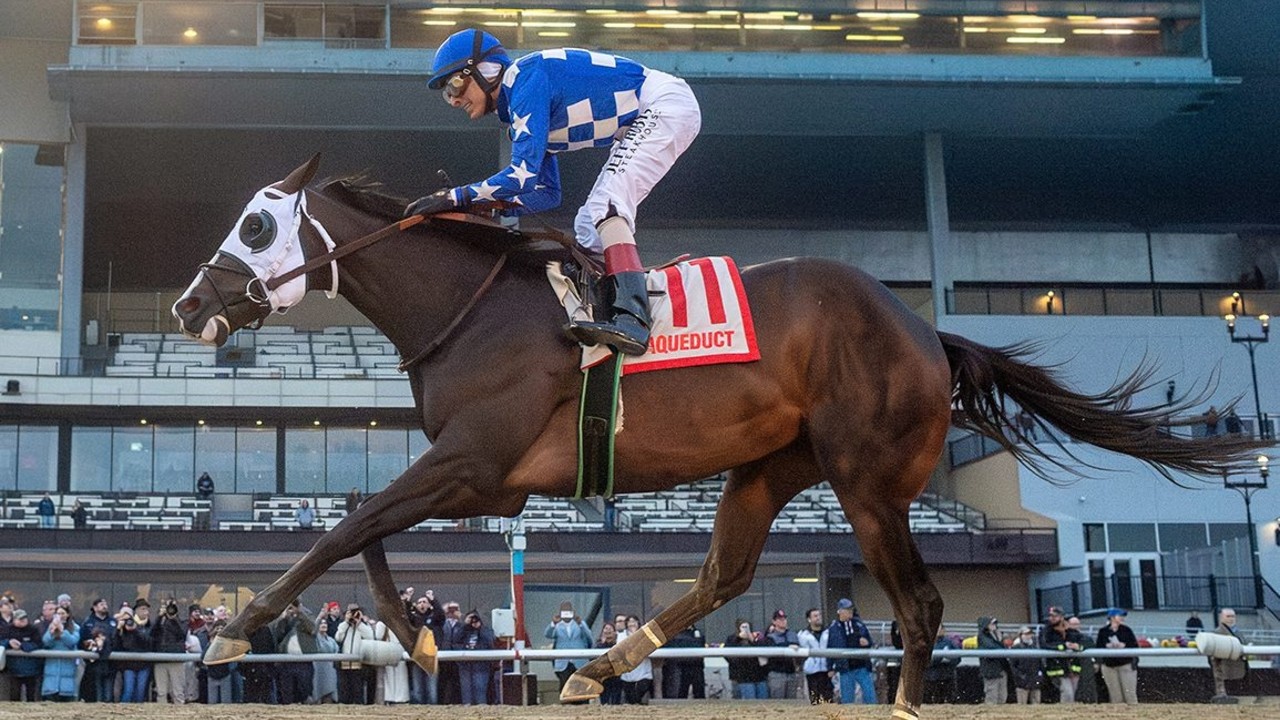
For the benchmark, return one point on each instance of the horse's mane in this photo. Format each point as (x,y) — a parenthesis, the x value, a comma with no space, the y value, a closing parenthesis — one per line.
(367,195)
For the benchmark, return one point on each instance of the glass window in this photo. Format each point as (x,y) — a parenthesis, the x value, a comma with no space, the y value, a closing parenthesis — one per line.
(1095,537)
(107,24)
(304,462)
(347,464)
(418,444)
(216,455)
(388,456)
(1226,532)
(90,459)
(354,26)
(8,457)
(1131,537)
(37,457)
(293,22)
(30,236)
(165,23)
(1175,32)
(131,458)
(175,459)
(1182,536)
(256,460)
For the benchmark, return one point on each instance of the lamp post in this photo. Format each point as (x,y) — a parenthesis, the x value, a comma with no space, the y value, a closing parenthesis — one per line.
(1247,485)
(1251,342)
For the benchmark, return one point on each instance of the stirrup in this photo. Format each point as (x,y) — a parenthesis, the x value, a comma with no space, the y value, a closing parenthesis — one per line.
(625,334)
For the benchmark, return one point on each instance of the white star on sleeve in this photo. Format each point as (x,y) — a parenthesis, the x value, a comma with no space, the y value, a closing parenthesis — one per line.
(520,125)
(484,191)
(521,173)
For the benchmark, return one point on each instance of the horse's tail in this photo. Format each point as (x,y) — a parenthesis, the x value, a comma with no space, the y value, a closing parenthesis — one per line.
(982,377)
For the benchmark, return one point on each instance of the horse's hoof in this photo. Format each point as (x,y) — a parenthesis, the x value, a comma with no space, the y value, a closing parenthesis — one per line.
(224,650)
(425,653)
(580,688)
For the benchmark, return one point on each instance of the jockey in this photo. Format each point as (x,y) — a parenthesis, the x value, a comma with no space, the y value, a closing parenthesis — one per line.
(562,100)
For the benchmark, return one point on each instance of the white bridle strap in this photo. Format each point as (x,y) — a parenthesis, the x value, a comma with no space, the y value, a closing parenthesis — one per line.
(330,245)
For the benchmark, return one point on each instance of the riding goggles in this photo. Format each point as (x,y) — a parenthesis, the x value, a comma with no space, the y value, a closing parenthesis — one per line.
(455,86)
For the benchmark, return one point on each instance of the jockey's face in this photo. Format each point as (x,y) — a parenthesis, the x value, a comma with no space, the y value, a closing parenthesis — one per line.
(470,98)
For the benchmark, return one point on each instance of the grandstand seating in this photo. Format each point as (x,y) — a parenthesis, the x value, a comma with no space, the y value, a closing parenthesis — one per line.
(690,508)
(275,351)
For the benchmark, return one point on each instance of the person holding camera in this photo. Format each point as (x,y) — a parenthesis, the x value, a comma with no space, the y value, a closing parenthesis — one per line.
(59,684)
(170,636)
(474,674)
(568,632)
(295,634)
(351,635)
(749,675)
(133,634)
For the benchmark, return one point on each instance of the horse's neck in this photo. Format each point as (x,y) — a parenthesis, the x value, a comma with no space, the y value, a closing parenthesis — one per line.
(409,286)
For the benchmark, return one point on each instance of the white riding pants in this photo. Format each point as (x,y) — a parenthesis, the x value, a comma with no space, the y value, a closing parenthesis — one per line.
(668,122)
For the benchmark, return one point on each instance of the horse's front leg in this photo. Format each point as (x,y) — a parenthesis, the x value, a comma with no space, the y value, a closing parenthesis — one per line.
(441,483)
(753,497)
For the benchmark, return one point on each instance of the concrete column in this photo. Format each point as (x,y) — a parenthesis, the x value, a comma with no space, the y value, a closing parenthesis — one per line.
(72,274)
(939,224)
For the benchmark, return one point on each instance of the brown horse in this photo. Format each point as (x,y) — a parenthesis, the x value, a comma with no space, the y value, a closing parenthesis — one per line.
(851,388)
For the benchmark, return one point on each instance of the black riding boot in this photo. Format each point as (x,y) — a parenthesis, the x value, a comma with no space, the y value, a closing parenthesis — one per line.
(628,328)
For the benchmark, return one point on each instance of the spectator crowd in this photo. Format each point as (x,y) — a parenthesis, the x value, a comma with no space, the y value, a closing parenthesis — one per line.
(348,629)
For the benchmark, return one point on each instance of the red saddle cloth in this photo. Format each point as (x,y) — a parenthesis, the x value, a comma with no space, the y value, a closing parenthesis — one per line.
(700,316)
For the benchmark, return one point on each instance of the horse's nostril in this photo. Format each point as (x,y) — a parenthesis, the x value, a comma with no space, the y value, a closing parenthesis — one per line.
(188,305)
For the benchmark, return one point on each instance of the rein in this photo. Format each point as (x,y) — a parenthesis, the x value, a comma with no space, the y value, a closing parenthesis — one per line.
(343,251)
(435,344)
(333,255)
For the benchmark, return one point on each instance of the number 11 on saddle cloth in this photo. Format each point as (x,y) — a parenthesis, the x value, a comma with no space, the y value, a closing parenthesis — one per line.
(699,313)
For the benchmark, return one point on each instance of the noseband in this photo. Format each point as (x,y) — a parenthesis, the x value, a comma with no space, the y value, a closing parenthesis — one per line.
(259,300)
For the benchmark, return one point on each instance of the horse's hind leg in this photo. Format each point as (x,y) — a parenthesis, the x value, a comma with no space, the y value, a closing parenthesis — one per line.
(753,497)
(877,505)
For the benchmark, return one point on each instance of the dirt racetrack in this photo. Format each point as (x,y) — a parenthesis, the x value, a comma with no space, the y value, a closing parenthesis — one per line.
(661,711)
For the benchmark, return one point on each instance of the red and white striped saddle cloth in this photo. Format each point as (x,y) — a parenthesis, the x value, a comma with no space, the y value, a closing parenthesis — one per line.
(700,316)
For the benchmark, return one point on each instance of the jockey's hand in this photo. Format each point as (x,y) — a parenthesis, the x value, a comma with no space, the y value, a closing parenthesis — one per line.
(437,202)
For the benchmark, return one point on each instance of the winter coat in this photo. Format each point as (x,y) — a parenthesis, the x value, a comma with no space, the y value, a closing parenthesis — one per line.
(469,638)
(942,669)
(785,638)
(351,639)
(136,640)
(31,639)
(169,635)
(990,668)
(846,635)
(1028,674)
(1051,639)
(1124,634)
(747,669)
(60,673)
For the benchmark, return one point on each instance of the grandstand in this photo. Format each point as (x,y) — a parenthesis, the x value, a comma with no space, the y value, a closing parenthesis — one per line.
(689,510)
(1102,187)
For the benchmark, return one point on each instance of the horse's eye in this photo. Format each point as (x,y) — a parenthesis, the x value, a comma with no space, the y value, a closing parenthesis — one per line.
(258,231)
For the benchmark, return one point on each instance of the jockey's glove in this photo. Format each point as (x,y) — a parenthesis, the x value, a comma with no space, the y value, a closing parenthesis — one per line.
(437,202)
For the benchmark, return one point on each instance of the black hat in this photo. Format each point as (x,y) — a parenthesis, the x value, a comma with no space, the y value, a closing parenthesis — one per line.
(140,602)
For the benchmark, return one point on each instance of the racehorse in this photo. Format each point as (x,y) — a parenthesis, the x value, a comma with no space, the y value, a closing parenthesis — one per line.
(851,388)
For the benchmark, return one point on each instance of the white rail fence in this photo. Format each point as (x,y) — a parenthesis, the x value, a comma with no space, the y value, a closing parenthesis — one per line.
(535,655)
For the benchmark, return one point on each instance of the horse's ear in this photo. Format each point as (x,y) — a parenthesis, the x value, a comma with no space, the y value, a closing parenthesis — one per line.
(299,178)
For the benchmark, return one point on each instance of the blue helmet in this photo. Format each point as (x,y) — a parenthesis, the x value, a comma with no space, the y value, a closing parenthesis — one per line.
(462,52)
